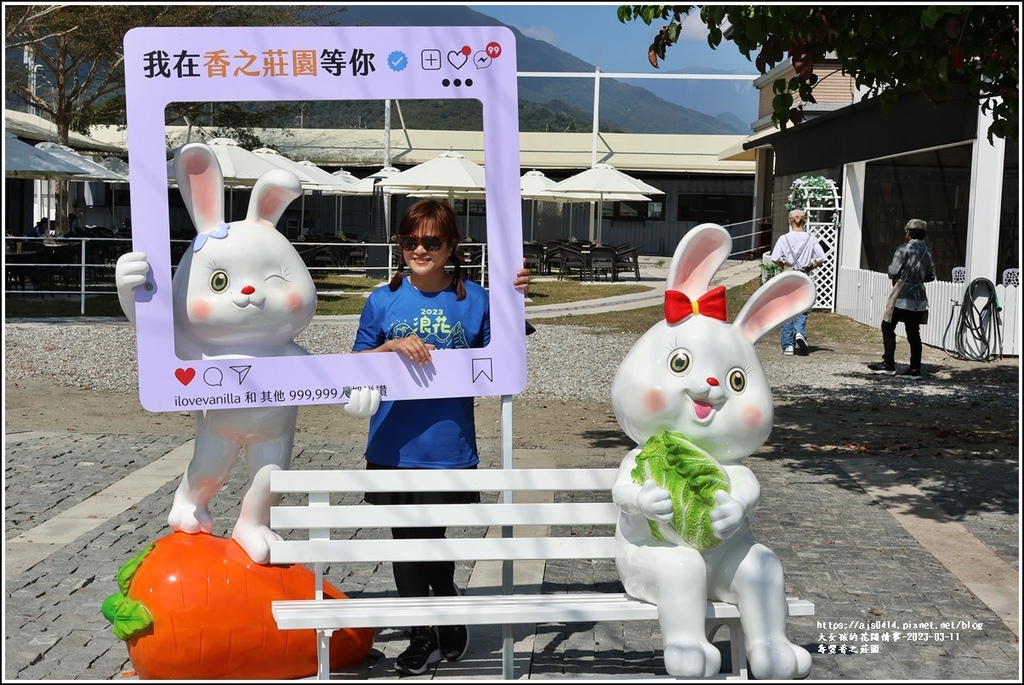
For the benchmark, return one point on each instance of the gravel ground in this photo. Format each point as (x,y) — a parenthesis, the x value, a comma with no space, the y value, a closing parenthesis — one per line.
(563,363)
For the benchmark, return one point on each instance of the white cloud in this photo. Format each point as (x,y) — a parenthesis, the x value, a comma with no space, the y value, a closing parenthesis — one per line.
(693,28)
(540,33)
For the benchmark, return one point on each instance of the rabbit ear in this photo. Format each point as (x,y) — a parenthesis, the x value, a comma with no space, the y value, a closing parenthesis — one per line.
(273,193)
(779,300)
(699,255)
(201,184)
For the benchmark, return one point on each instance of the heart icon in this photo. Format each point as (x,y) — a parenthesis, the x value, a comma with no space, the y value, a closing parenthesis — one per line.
(185,376)
(457,59)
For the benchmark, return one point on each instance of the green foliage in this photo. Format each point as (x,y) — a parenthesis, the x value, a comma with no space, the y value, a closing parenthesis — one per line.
(814,192)
(770,270)
(945,52)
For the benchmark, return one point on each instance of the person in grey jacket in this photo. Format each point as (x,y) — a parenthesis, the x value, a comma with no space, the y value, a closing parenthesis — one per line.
(912,266)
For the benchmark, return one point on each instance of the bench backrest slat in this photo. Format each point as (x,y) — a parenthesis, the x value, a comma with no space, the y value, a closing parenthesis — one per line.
(355,480)
(444,549)
(444,515)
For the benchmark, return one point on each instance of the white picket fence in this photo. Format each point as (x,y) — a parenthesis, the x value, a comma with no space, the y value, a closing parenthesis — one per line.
(861,295)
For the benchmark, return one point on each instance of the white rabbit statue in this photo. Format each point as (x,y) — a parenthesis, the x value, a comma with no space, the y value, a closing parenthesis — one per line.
(693,395)
(241,290)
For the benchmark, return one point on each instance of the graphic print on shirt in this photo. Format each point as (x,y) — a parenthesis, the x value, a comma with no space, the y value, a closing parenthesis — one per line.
(432,327)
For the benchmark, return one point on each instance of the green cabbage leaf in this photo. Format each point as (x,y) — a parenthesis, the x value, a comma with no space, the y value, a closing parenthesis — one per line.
(692,476)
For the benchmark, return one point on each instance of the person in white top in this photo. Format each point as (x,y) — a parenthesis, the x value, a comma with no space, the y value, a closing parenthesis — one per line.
(800,251)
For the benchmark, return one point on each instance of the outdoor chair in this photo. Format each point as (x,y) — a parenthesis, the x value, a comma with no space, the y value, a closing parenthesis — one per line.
(552,258)
(628,259)
(602,262)
(355,255)
(573,259)
(533,256)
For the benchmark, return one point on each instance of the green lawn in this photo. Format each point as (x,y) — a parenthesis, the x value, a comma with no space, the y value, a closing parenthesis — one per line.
(339,295)
(827,326)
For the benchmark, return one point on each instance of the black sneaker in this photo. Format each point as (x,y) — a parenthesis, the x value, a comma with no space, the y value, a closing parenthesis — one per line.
(454,641)
(882,367)
(421,653)
(911,374)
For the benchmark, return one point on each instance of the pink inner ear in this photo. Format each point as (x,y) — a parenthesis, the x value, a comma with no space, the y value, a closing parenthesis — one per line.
(270,201)
(205,193)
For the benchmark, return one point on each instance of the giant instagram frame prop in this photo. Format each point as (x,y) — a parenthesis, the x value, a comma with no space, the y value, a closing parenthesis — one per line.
(165,65)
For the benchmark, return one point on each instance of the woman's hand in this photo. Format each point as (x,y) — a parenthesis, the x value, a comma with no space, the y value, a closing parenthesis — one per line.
(522,282)
(410,347)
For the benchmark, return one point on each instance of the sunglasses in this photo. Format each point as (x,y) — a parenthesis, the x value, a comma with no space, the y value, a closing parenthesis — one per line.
(432,243)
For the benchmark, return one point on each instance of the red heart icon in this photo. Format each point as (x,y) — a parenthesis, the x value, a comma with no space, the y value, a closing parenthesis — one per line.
(185,376)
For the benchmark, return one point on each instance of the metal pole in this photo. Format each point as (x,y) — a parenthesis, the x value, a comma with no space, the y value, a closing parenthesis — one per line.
(597,111)
(387,133)
(508,647)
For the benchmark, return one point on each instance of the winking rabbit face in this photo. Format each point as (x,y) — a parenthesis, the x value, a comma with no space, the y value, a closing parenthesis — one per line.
(243,281)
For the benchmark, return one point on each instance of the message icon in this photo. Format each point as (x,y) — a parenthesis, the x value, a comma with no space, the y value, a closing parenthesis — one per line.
(481,59)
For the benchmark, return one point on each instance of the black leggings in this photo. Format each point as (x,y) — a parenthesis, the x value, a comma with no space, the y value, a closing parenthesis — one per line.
(418,578)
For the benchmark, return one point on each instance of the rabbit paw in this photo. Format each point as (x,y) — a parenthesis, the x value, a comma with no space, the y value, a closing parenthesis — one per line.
(727,516)
(692,658)
(255,540)
(189,518)
(655,502)
(363,402)
(778,660)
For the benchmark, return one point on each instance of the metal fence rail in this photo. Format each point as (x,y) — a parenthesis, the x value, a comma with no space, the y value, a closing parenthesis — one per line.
(77,267)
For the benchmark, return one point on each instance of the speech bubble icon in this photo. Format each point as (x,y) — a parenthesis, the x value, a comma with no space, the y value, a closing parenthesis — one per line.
(213,377)
(481,59)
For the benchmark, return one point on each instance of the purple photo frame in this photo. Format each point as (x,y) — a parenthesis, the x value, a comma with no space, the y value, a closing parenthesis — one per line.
(165,65)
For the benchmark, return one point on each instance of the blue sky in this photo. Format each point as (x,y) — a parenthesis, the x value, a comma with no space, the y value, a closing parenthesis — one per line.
(593,33)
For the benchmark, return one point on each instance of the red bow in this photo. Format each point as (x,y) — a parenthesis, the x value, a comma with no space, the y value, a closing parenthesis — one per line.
(678,306)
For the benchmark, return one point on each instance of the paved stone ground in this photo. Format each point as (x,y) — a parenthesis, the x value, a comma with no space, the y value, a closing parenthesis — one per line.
(844,540)
(840,548)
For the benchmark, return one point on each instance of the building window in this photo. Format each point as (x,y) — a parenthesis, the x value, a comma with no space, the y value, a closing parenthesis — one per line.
(934,186)
(724,209)
(634,211)
(476,207)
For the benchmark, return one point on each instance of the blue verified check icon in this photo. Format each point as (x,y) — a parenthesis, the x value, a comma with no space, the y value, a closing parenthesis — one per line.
(397,61)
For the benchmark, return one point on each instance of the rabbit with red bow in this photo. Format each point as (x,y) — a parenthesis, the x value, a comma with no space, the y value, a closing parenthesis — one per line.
(240,291)
(693,395)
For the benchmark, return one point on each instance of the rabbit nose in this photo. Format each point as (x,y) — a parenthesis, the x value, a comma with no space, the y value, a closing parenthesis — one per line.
(712,381)
(248,290)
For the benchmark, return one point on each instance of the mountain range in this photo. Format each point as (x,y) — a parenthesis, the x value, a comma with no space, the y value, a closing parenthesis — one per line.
(654,108)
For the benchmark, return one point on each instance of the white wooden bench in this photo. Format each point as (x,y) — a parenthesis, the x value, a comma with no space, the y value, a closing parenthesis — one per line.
(332,501)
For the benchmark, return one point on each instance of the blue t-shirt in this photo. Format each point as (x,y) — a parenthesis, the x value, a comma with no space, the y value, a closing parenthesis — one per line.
(437,433)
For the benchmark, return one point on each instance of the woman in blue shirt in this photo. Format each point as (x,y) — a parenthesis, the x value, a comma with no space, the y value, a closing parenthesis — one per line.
(426,309)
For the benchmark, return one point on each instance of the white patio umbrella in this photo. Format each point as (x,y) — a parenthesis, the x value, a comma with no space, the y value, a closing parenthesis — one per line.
(118,166)
(93,171)
(365,185)
(328,182)
(275,158)
(534,186)
(449,172)
(22,160)
(603,182)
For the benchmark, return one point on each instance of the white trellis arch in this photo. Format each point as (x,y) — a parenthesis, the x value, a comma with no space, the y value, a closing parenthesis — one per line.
(819,197)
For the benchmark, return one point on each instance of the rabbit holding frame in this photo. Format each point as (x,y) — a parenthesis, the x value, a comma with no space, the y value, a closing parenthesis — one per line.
(693,395)
(240,291)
